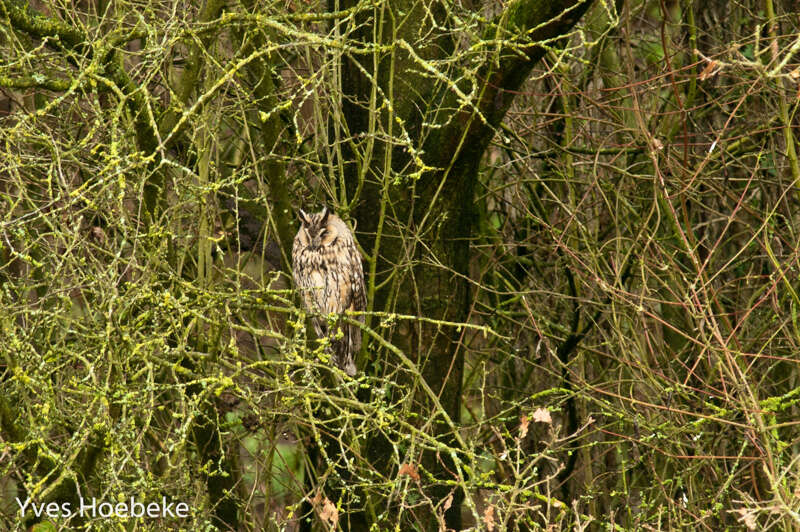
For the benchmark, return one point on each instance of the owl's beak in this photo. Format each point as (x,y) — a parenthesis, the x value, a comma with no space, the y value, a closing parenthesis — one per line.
(316,242)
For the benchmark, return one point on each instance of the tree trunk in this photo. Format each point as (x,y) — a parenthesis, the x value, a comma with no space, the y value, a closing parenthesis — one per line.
(443,196)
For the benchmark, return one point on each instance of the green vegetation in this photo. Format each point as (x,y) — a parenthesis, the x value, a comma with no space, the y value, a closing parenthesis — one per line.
(580,224)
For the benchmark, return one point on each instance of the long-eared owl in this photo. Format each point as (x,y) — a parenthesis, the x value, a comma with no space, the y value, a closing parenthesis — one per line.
(328,273)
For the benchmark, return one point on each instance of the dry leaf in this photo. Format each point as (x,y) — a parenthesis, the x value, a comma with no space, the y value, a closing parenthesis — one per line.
(542,415)
(488,518)
(410,470)
(523,426)
(708,71)
(748,517)
(329,513)
(448,502)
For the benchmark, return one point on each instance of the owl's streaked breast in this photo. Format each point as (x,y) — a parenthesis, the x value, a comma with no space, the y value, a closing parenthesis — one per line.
(328,274)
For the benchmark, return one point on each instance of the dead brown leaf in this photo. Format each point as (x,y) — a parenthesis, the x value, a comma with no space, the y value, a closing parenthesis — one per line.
(523,426)
(747,517)
(448,502)
(488,518)
(709,70)
(542,415)
(329,513)
(410,470)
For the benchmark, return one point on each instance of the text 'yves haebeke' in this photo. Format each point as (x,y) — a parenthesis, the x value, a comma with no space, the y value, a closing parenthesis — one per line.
(94,508)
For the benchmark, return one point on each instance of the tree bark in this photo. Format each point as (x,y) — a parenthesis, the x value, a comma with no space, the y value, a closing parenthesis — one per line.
(453,150)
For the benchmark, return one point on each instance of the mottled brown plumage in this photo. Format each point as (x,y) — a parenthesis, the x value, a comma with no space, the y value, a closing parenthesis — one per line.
(328,274)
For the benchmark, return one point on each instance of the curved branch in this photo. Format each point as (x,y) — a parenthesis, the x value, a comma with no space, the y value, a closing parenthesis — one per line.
(522,32)
(23,18)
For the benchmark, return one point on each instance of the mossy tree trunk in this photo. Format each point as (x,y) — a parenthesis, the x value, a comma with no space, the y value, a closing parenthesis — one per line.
(450,136)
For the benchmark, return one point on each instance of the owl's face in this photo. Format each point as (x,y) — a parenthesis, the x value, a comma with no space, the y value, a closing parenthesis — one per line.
(317,230)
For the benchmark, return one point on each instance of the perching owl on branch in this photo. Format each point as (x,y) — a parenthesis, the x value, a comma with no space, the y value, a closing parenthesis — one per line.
(328,273)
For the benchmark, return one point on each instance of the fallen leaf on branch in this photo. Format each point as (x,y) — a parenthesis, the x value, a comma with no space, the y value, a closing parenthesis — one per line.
(410,470)
(488,518)
(542,415)
(329,513)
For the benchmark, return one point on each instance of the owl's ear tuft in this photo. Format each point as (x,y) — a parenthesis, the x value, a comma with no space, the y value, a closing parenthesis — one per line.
(325,213)
(303,217)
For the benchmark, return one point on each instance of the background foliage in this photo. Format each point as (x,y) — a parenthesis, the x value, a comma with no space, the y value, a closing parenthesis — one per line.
(579,223)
